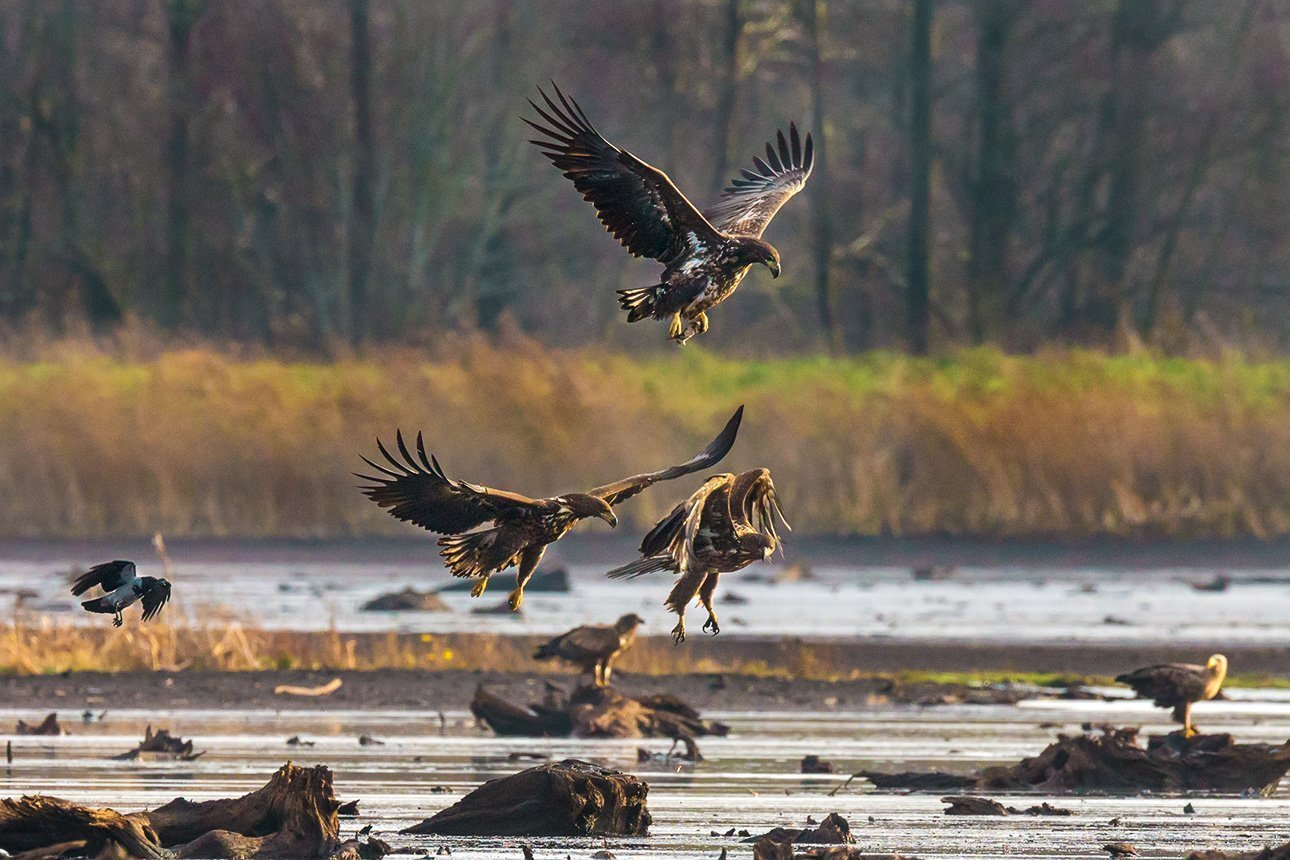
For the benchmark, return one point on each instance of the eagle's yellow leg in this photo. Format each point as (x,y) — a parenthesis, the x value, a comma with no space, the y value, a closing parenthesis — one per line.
(701,323)
(516,598)
(678,632)
(674,327)
(479,587)
(1189,730)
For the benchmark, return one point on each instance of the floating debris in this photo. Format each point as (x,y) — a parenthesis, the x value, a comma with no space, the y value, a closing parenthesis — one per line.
(47,726)
(323,690)
(594,712)
(814,764)
(162,744)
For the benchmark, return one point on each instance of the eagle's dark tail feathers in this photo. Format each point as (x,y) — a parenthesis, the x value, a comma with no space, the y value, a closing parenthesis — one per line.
(641,302)
(640,567)
(99,604)
(467,555)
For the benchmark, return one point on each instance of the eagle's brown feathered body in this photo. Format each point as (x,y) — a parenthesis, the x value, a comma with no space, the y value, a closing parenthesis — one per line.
(1178,685)
(728,524)
(706,253)
(416,490)
(593,648)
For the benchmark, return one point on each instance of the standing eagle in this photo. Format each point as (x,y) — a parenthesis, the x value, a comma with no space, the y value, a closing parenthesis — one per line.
(122,587)
(593,648)
(1178,686)
(728,524)
(705,254)
(417,491)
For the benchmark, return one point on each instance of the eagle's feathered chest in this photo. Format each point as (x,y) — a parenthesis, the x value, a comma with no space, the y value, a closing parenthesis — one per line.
(724,550)
(705,278)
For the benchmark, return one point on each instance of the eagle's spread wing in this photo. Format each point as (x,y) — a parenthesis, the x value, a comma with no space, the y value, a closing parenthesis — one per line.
(1168,685)
(707,513)
(110,575)
(636,202)
(753,500)
(154,598)
(417,491)
(621,491)
(748,204)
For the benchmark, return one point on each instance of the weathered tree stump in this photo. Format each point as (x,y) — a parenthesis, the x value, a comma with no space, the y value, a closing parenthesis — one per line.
(568,798)
(1281,852)
(47,726)
(833,830)
(968,805)
(293,816)
(162,744)
(407,600)
(594,712)
(1114,762)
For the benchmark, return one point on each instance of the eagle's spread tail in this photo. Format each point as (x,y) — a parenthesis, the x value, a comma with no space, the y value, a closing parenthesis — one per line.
(467,555)
(641,302)
(640,567)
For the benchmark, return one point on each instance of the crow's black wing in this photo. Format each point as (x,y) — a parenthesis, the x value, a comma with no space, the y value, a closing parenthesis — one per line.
(110,576)
(157,596)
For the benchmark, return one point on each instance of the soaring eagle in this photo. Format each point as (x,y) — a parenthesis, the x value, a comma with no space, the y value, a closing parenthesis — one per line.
(728,524)
(1178,686)
(416,490)
(593,648)
(122,587)
(705,254)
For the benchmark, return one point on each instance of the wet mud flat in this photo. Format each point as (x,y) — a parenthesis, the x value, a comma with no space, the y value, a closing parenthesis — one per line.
(405,764)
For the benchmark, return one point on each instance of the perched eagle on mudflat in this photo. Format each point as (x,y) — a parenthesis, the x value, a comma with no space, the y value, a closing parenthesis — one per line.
(728,524)
(417,491)
(122,587)
(706,254)
(593,648)
(1178,686)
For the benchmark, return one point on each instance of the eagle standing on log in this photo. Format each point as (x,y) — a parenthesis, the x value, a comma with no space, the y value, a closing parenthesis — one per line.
(416,490)
(706,254)
(728,524)
(1178,686)
(593,648)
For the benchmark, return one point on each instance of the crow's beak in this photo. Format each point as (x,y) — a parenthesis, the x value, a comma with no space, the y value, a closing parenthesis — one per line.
(773,265)
(609,517)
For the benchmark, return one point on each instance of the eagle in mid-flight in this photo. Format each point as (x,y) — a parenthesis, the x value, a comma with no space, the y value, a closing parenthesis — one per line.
(706,254)
(728,524)
(416,490)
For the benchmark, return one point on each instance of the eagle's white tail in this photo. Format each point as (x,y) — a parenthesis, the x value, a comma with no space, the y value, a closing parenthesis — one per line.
(641,302)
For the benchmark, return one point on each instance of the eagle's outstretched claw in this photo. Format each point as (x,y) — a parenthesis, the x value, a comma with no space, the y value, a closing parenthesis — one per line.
(678,632)
(711,626)
(701,323)
(479,587)
(117,620)
(674,328)
(515,599)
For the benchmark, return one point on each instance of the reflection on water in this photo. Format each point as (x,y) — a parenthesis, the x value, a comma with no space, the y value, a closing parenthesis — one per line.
(748,780)
(1020,604)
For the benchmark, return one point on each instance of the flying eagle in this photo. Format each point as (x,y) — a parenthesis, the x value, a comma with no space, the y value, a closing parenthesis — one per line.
(706,254)
(1178,686)
(593,648)
(122,587)
(728,524)
(417,490)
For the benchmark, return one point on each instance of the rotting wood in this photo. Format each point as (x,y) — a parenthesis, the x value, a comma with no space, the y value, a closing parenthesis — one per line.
(162,744)
(594,712)
(567,798)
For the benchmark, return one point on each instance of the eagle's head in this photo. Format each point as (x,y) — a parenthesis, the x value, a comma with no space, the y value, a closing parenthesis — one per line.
(628,623)
(758,544)
(583,505)
(754,251)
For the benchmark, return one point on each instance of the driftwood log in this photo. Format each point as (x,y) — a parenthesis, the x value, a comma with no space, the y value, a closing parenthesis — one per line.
(1281,852)
(292,816)
(831,839)
(568,798)
(1114,762)
(594,712)
(161,744)
(968,805)
(833,830)
(47,726)
(407,600)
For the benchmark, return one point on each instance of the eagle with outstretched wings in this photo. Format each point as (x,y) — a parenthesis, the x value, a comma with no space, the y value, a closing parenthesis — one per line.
(729,523)
(415,489)
(705,253)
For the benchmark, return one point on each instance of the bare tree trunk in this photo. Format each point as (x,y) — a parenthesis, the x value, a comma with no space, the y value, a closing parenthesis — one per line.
(813,13)
(181,15)
(728,95)
(994,187)
(362,216)
(917,275)
(663,49)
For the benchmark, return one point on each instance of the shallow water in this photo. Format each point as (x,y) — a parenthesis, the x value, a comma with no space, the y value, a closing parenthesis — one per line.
(748,780)
(994,604)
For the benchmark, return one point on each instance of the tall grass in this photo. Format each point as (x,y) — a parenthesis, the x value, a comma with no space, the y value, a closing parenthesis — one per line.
(200,442)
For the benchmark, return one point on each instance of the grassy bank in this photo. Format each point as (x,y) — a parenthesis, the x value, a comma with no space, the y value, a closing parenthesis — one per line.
(978,443)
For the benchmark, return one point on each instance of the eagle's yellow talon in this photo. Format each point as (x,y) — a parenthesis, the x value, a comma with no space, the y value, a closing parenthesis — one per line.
(674,328)
(479,587)
(678,632)
(516,598)
(701,323)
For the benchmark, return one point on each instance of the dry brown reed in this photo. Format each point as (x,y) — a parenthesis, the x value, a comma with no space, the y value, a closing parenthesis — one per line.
(202,443)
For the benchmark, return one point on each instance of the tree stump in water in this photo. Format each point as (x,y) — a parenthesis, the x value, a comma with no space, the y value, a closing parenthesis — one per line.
(47,726)
(161,745)
(36,822)
(568,798)
(595,712)
(1281,852)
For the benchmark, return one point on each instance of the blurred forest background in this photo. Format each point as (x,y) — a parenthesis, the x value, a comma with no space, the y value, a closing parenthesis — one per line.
(303,173)
(1039,284)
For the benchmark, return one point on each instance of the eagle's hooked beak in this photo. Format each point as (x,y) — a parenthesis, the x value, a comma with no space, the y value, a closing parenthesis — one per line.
(609,517)
(773,265)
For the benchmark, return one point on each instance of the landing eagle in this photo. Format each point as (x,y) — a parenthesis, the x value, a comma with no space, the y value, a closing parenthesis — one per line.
(728,524)
(705,253)
(416,490)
